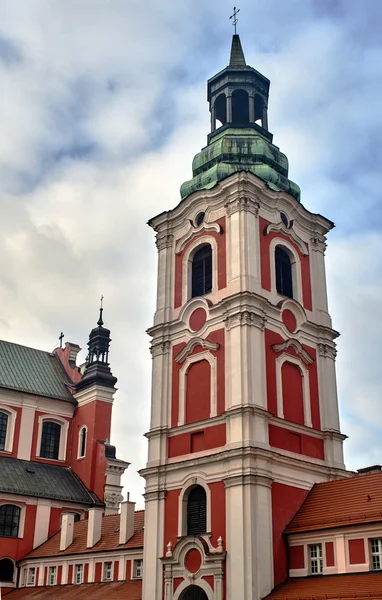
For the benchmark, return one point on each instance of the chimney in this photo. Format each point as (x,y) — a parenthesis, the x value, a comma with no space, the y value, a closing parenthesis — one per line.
(126,523)
(67,529)
(94,526)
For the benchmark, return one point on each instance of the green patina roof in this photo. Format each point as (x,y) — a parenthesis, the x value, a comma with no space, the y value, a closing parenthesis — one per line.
(233,149)
(32,371)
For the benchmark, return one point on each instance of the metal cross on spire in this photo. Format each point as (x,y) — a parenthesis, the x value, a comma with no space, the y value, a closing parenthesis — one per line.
(61,337)
(100,320)
(234,17)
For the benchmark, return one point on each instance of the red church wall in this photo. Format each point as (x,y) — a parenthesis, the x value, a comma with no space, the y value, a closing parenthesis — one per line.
(286,500)
(357,552)
(198,391)
(221,259)
(196,441)
(218,520)
(36,451)
(282,438)
(199,386)
(96,416)
(193,561)
(177,581)
(265,241)
(329,552)
(272,338)
(16,548)
(55,520)
(296,557)
(63,354)
(171,518)
(293,399)
(210,580)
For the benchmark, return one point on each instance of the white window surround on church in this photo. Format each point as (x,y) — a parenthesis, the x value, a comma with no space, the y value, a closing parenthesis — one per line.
(190,360)
(295,264)
(64,424)
(182,504)
(187,266)
(280,361)
(9,437)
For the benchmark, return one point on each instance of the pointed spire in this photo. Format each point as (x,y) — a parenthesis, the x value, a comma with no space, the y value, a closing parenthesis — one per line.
(237,58)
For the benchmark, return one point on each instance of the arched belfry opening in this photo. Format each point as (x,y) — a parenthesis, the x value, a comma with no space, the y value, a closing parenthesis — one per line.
(221,110)
(197,511)
(240,107)
(194,592)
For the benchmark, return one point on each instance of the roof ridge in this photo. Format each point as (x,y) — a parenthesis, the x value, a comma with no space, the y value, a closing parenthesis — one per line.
(24,346)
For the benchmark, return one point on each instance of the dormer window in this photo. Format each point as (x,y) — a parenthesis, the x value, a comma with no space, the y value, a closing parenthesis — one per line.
(376,554)
(201,277)
(50,440)
(283,268)
(315,557)
(3,429)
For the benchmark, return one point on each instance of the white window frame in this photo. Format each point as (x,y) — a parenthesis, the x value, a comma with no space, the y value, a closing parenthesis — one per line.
(107,571)
(79,455)
(10,434)
(52,575)
(22,508)
(64,424)
(295,266)
(183,501)
(377,554)
(78,574)
(187,266)
(305,387)
(31,577)
(138,568)
(190,360)
(316,563)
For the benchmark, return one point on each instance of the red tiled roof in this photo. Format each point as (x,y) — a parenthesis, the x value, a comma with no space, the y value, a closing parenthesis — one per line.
(351,501)
(122,590)
(109,538)
(361,586)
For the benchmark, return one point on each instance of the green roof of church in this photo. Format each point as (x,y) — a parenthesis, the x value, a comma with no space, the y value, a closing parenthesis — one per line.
(33,371)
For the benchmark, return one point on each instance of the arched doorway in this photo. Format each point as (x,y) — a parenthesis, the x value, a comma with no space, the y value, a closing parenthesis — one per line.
(194,592)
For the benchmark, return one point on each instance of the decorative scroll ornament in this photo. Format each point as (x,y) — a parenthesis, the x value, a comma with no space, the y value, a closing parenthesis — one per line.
(189,347)
(243,203)
(245,317)
(290,233)
(202,228)
(318,243)
(327,351)
(113,499)
(297,347)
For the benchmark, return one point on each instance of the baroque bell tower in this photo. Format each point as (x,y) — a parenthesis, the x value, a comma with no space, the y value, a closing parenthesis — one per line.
(244,413)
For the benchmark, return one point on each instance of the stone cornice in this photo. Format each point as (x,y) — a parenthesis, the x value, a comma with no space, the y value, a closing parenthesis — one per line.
(327,351)
(159,347)
(243,203)
(244,317)
(164,240)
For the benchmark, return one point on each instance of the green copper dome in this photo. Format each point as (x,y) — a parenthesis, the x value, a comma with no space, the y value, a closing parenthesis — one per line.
(238,98)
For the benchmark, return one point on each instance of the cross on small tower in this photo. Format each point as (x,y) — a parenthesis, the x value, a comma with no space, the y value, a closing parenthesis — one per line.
(234,17)
(102,301)
(61,337)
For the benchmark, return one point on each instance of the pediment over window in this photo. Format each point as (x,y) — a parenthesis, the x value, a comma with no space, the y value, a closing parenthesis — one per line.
(192,344)
(297,347)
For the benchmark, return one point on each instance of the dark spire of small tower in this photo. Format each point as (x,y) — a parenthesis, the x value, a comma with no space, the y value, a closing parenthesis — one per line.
(237,58)
(97,369)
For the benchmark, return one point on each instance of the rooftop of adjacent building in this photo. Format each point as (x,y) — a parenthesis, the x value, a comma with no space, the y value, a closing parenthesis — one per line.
(360,586)
(109,538)
(119,590)
(350,501)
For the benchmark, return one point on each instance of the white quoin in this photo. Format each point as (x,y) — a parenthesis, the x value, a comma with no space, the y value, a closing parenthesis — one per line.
(67,530)
(94,526)
(126,525)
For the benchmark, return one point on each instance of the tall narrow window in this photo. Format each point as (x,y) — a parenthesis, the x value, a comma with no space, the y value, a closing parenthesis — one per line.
(3,429)
(138,568)
(107,570)
(197,511)
(283,266)
(31,580)
(202,271)
(315,552)
(82,443)
(9,520)
(7,569)
(376,554)
(52,577)
(50,440)
(79,574)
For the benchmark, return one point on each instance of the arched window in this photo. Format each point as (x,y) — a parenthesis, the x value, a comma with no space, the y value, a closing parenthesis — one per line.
(3,429)
(197,511)
(194,592)
(221,109)
(9,520)
(7,569)
(240,107)
(283,268)
(202,271)
(82,442)
(50,440)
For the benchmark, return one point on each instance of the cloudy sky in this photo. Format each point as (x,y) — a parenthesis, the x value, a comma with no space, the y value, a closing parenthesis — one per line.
(102,107)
